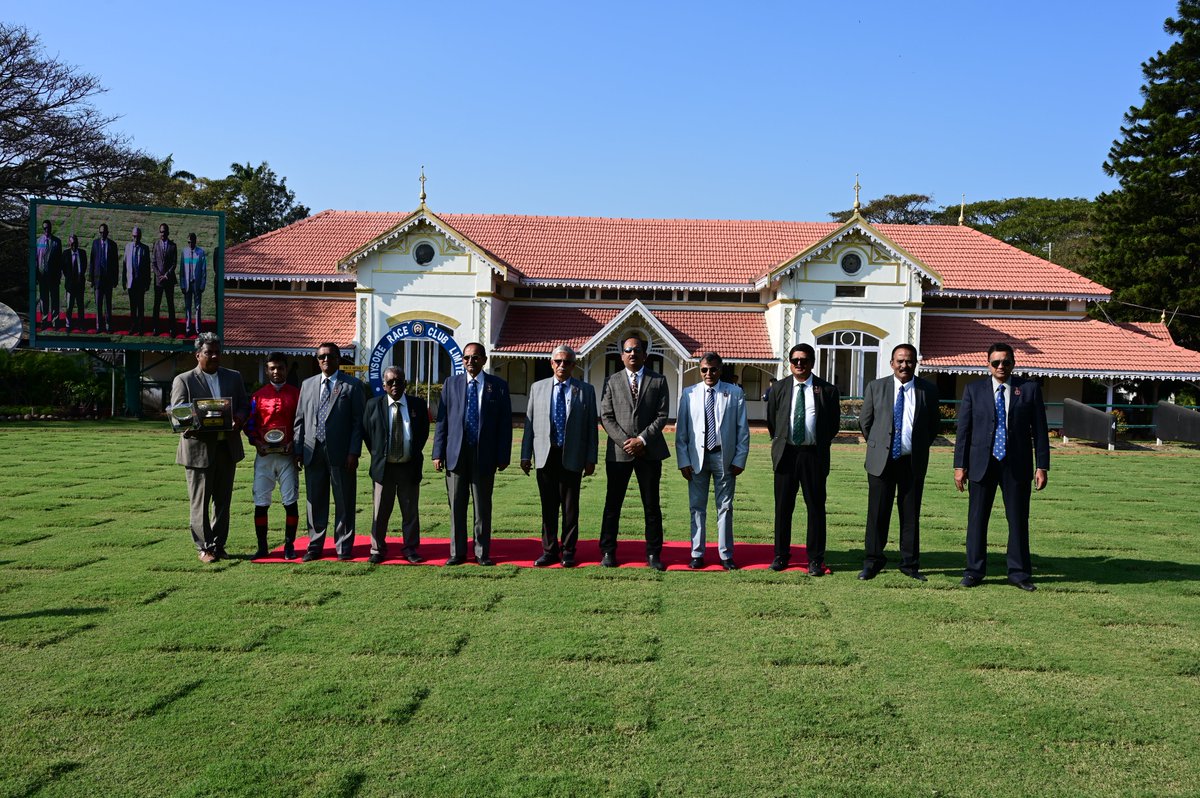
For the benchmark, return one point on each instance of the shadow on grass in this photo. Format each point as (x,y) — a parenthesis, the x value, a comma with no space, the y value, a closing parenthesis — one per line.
(62,612)
(1098,570)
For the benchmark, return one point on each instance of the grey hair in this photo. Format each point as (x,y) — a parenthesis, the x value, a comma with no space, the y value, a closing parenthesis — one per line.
(563,348)
(210,338)
(396,369)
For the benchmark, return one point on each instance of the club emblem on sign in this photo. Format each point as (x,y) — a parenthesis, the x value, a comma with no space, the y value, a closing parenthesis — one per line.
(418,328)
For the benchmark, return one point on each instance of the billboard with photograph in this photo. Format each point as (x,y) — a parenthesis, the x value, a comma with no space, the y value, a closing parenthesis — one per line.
(124,276)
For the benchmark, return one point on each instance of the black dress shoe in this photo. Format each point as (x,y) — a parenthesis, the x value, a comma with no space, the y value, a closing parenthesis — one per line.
(259,555)
(289,551)
(816,569)
(456,561)
(609,560)
(376,558)
(544,560)
(729,565)
(484,561)
(568,562)
(696,564)
(414,558)
(1024,584)
(345,557)
(867,573)
(920,577)
(221,554)
(778,564)
(309,556)
(971,581)
(654,562)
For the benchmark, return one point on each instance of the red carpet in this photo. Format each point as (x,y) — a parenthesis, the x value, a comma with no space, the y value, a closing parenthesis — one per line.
(631,553)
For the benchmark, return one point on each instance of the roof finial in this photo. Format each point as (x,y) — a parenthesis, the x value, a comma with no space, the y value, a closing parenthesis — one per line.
(422,184)
(857,204)
(1163,318)
(962,209)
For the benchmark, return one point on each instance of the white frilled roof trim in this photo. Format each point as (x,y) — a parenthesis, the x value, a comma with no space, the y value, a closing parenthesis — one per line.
(350,264)
(1071,373)
(992,294)
(636,306)
(852,227)
(346,349)
(329,277)
(563,283)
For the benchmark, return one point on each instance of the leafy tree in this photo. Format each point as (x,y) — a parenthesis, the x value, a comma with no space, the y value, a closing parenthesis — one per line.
(149,181)
(1149,228)
(1056,229)
(254,198)
(893,209)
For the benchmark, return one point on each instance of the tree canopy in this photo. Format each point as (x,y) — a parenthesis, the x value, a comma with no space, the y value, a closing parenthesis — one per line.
(1148,230)
(893,209)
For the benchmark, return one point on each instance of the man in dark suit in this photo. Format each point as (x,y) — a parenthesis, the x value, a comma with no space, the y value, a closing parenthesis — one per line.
(103,273)
(634,411)
(803,416)
(560,435)
(395,429)
(75,280)
(328,442)
(210,456)
(1002,432)
(472,441)
(164,262)
(136,279)
(49,273)
(899,419)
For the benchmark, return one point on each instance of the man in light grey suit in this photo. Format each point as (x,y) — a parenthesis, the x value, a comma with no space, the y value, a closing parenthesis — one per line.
(210,456)
(712,442)
(634,411)
(560,434)
(899,419)
(328,442)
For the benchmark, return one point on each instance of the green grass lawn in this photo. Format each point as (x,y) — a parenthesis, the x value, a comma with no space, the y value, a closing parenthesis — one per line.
(133,669)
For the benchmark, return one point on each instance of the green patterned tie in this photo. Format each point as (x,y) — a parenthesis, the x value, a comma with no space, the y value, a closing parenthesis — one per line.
(798,418)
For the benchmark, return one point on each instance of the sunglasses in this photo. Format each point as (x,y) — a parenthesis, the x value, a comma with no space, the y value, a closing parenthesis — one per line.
(475,357)
(393,382)
(800,361)
(713,370)
(564,362)
(998,363)
(325,357)
(629,349)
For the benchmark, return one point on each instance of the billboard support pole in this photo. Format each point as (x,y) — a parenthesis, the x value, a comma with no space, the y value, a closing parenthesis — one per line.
(133,383)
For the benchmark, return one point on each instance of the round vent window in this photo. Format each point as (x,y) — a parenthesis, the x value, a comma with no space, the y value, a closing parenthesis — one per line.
(424,254)
(851,263)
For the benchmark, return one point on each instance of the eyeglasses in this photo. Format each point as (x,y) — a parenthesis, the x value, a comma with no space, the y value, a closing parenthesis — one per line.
(630,349)
(564,362)
(475,357)
(325,356)
(713,370)
(800,361)
(393,382)
(998,363)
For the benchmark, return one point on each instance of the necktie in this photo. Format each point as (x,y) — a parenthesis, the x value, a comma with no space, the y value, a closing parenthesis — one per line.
(396,447)
(323,409)
(710,420)
(473,413)
(798,418)
(1000,444)
(897,423)
(633,389)
(560,416)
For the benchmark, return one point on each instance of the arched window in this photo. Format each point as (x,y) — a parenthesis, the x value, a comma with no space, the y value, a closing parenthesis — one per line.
(849,359)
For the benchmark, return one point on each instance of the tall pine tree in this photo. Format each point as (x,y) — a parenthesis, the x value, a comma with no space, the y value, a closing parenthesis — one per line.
(1148,248)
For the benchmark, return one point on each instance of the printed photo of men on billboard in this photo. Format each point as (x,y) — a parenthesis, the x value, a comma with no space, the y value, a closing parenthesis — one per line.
(127,277)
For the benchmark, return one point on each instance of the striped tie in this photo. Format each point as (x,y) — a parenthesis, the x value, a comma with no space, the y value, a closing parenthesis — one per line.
(710,420)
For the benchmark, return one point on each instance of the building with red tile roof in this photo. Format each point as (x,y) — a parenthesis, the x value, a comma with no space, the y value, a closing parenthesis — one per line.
(746,289)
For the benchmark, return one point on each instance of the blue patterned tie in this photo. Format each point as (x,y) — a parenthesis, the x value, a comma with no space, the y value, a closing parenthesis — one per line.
(560,416)
(710,420)
(897,423)
(1000,445)
(473,413)
(323,409)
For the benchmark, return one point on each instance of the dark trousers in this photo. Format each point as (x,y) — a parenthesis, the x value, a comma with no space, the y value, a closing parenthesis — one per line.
(649,475)
(898,483)
(49,290)
(210,493)
(75,303)
(137,309)
(801,469)
(103,308)
(320,478)
(466,480)
(401,484)
(1016,494)
(559,489)
(169,291)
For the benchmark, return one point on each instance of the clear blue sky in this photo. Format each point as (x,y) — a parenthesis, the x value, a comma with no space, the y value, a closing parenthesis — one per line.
(705,110)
